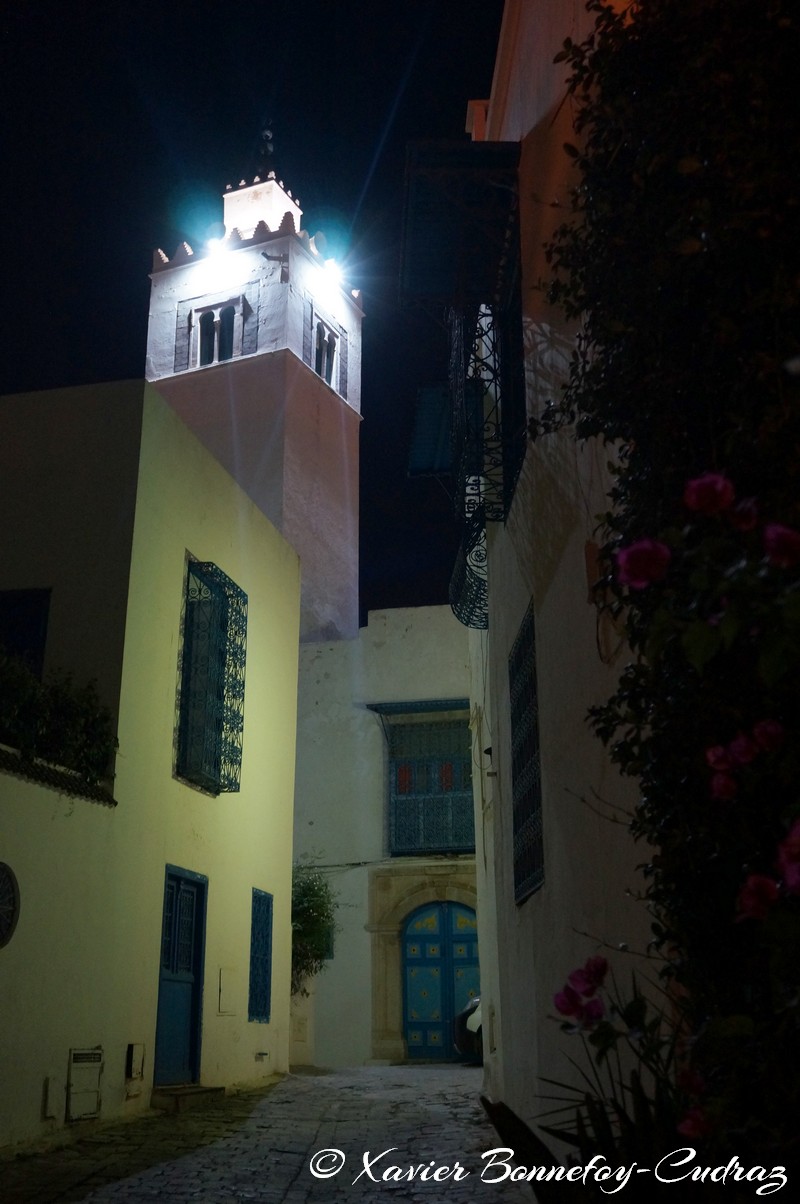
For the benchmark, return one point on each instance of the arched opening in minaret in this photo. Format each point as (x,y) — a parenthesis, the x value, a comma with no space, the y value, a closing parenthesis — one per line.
(330,352)
(207,340)
(325,353)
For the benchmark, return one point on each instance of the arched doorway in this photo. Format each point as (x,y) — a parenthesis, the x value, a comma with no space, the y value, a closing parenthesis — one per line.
(440,976)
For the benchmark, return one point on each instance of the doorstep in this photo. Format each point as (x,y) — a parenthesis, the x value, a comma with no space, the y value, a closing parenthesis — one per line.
(184,1098)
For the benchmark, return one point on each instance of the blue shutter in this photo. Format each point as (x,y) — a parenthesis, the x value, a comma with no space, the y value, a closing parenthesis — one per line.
(526,773)
(308,333)
(183,336)
(343,364)
(211,715)
(258,1005)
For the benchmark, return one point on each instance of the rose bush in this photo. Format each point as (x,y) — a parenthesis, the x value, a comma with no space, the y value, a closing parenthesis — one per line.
(680,261)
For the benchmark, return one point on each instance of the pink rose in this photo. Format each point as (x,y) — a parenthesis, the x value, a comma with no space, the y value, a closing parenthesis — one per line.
(744,514)
(769,734)
(695,1124)
(789,860)
(568,1003)
(756,897)
(591,976)
(742,749)
(642,563)
(723,786)
(717,758)
(709,494)
(781,546)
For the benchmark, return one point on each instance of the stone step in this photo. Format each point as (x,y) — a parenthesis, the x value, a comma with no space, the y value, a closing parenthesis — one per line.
(186,1097)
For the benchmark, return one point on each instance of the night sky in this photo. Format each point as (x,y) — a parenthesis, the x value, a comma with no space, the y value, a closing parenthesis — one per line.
(126,121)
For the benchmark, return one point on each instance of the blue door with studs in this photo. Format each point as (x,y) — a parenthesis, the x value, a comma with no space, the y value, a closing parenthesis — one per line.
(440,976)
(180,983)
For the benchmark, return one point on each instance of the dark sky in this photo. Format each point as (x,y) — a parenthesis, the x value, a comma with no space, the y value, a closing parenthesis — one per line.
(127,118)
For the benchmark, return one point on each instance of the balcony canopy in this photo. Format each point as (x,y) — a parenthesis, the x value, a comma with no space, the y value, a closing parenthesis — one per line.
(460,199)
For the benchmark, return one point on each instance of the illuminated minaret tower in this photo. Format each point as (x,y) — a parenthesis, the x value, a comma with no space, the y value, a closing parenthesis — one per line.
(257,346)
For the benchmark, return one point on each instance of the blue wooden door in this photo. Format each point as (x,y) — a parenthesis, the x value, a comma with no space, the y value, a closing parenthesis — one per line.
(180,984)
(440,975)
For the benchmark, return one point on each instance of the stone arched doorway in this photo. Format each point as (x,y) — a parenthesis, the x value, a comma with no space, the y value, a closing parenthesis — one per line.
(395,892)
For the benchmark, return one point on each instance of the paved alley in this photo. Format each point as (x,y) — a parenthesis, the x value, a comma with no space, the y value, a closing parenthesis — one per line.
(312,1137)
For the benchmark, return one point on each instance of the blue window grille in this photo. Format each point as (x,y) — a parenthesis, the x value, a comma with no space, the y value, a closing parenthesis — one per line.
(211,700)
(430,788)
(258,1004)
(526,772)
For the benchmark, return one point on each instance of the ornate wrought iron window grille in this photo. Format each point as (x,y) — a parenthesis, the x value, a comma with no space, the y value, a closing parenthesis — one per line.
(260,990)
(526,771)
(477,427)
(469,586)
(489,439)
(212,670)
(430,788)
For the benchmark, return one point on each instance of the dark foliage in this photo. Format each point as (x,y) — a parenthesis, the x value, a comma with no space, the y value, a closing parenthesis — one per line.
(682,262)
(55,721)
(313,924)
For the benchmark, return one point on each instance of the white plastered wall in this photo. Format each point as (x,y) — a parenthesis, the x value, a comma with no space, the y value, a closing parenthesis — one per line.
(540,553)
(408,654)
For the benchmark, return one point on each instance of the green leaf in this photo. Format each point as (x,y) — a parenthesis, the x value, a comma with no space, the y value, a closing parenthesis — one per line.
(730,1028)
(603,1039)
(700,642)
(729,627)
(774,659)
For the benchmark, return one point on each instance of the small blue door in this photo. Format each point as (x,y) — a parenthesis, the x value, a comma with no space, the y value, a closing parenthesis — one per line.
(180,984)
(440,974)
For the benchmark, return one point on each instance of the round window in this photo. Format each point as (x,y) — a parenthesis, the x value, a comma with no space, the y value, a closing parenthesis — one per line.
(9,903)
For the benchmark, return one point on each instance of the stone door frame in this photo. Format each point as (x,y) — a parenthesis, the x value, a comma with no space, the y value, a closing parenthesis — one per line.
(394,892)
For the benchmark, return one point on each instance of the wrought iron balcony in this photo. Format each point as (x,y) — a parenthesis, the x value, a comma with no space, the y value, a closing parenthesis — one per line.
(461,254)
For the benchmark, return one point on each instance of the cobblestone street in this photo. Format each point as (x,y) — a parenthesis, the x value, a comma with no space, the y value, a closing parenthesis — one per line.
(264,1146)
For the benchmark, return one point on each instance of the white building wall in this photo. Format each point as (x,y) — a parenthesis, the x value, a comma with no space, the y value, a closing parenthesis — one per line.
(409,654)
(540,553)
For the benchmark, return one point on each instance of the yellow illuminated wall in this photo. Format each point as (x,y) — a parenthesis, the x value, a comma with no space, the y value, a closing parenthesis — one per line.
(82,967)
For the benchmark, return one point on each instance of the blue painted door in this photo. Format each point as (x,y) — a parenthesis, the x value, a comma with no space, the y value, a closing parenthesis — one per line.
(180,984)
(440,975)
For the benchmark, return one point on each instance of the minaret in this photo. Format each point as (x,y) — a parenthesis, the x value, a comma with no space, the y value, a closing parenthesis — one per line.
(257,346)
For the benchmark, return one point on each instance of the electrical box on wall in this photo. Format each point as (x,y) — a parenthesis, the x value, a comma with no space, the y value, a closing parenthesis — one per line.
(83,1083)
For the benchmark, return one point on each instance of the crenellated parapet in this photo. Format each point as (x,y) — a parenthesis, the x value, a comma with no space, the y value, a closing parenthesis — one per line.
(253,214)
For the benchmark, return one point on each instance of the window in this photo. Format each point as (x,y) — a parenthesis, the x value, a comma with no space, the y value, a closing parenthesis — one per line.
(325,348)
(325,353)
(218,333)
(23,625)
(211,697)
(430,788)
(259,998)
(526,773)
